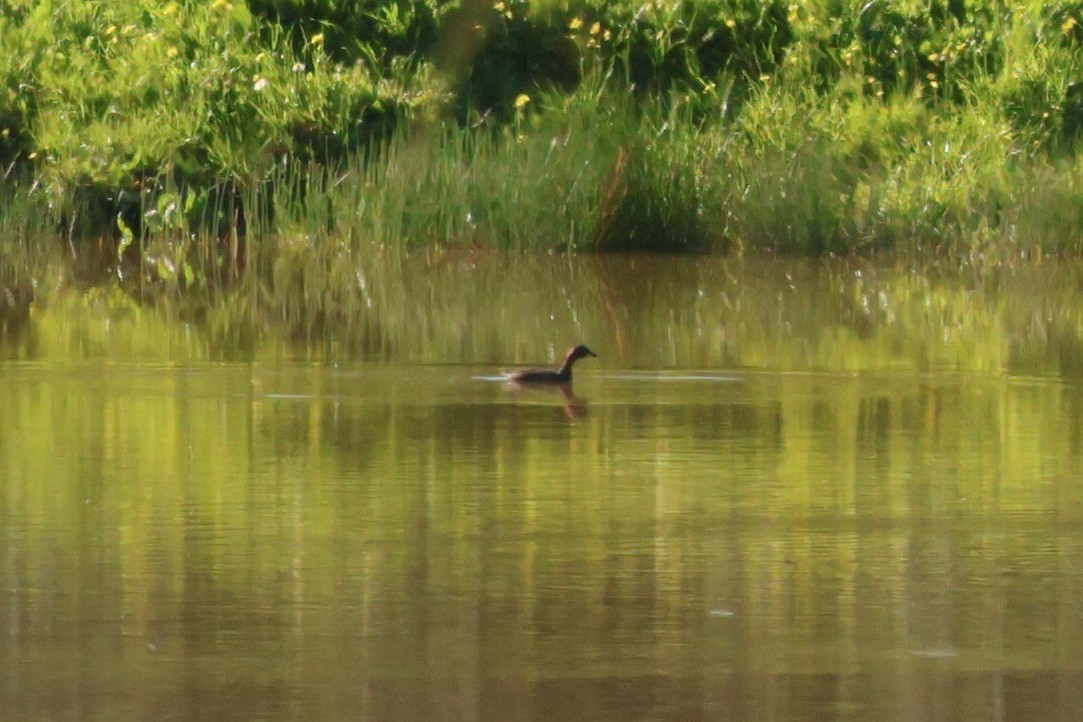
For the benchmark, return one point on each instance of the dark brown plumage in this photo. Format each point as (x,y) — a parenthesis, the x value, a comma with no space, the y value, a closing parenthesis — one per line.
(546,376)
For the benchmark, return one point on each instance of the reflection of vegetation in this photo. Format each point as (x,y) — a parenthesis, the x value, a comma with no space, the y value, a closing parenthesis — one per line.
(644,312)
(279,516)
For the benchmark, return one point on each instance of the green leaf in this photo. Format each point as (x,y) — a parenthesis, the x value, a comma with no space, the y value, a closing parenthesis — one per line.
(242,16)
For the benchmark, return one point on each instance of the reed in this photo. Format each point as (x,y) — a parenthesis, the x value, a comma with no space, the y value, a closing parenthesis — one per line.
(207,140)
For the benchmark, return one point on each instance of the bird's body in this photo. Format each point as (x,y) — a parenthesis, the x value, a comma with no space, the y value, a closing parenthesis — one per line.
(546,376)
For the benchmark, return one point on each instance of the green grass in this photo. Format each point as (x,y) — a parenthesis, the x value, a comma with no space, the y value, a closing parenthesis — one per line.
(207,140)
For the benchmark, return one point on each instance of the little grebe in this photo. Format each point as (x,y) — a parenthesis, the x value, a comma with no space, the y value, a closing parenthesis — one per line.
(545,376)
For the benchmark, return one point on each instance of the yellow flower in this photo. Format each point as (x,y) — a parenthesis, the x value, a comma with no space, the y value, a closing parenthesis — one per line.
(172,52)
(316,39)
(595,28)
(575,24)
(1068,25)
(521,101)
(731,23)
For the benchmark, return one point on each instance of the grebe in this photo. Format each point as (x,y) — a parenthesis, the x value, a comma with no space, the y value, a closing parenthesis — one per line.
(545,376)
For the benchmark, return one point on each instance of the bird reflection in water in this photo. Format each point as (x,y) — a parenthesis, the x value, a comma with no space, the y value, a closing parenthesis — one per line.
(559,381)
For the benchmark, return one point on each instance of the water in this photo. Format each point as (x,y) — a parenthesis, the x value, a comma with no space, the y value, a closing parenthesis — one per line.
(749,508)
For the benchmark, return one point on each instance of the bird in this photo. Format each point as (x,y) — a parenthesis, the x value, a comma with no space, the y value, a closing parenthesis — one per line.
(546,376)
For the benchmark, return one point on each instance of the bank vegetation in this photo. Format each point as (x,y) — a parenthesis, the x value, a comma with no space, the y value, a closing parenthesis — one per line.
(184,143)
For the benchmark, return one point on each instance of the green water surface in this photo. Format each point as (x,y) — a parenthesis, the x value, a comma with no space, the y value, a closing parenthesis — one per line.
(786,490)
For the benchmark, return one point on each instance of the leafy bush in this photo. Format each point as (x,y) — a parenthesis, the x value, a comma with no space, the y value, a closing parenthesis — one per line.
(814,125)
(378,32)
(124,100)
(520,53)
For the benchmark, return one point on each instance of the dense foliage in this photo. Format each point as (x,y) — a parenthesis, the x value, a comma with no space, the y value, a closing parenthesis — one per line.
(812,125)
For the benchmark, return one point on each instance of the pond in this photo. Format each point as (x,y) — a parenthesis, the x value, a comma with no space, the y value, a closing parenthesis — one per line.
(785,490)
